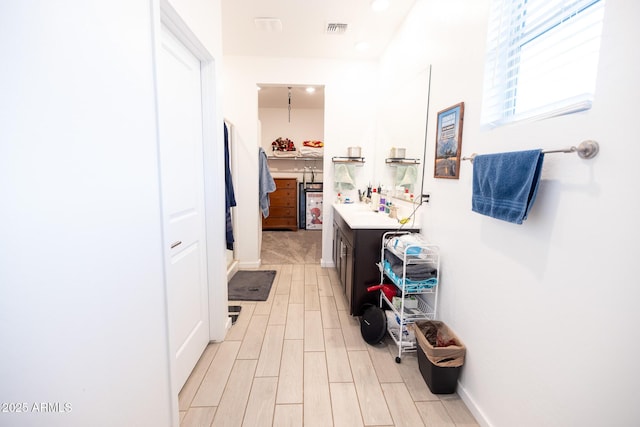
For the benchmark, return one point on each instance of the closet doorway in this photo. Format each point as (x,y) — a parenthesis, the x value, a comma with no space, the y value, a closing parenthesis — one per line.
(291,132)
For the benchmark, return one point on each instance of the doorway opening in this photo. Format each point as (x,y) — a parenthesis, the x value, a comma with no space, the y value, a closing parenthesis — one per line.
(291,132)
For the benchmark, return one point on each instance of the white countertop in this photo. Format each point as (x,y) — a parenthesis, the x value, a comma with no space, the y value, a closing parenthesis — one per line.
(362,216)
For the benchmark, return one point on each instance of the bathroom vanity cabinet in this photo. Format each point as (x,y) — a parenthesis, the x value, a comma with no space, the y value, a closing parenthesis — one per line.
(356,252)
(283,206)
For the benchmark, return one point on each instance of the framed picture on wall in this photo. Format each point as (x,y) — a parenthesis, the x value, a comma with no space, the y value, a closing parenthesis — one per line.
(449,142)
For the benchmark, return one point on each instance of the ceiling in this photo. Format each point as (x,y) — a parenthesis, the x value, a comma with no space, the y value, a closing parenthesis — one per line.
(304,24)
(275,96)
(304,35)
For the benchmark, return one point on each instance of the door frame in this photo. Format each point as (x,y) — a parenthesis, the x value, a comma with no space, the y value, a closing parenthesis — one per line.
(213,166)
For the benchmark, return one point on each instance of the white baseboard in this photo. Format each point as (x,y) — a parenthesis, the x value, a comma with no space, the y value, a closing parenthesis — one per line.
(232,269)
(325,263)
(228,324)
(249,265)
(473,407)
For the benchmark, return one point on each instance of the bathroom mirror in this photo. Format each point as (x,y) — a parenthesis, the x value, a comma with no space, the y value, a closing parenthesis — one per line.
(401,125)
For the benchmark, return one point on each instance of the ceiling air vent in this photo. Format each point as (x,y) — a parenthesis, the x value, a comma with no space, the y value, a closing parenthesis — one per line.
(336,28)
(270,25)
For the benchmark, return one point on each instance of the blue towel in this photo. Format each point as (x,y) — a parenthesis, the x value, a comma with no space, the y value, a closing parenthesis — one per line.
(266,183)
(229,194)
(505,184)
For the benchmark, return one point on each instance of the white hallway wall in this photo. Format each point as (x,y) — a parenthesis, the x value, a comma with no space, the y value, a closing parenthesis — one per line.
(82,302)
(547,309)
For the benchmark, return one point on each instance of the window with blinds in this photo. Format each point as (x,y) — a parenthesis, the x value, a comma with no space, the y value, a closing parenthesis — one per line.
(542,59)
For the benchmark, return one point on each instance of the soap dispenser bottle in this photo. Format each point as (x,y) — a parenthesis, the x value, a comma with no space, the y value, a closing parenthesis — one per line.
(375,199)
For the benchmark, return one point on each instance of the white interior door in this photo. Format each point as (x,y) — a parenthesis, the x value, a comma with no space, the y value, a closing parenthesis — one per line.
(182,175)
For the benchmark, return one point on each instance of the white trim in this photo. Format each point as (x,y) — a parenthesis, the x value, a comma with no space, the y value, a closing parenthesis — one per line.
(176,25)
(327,264)
(472,406)
(156,31)
(248,265)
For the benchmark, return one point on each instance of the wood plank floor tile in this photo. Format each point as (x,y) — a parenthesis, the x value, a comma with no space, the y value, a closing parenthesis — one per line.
(385,365)
(252,343)
(291,379)
(192,384)
(233,403)
(278,314)
(237,331)
(434,414)
(458,411)
(288,416)
(351,331)
(337,359)
(341,298)
(261,404)
(310,276)
(296,292)
(333,275)
(329,312)
(284,279)
(403,410)
(324,286)
(294,328)
(344,401)
(372,402)
(317,399)
(311,297)
(198,417)
(313,333)
(264,307)
(271,352)
(214,381)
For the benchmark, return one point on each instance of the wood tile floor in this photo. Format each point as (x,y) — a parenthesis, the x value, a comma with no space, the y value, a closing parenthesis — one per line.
(298,359)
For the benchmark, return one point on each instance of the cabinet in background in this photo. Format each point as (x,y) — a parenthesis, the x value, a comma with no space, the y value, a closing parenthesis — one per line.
(283,213)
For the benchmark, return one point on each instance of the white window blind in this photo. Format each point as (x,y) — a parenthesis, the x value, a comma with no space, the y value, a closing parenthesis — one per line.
(542,58)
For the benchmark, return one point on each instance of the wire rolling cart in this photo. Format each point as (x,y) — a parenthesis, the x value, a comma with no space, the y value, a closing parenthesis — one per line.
(413,266)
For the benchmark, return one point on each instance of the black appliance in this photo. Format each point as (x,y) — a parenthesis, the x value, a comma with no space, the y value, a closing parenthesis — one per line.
(310,206)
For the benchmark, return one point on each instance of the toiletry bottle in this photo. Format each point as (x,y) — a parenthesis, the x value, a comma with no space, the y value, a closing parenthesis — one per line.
(339,199)
(382,204)
(375,199)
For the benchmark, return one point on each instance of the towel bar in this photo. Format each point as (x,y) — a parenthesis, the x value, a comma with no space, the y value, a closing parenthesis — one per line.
(586,150)
(359,160)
